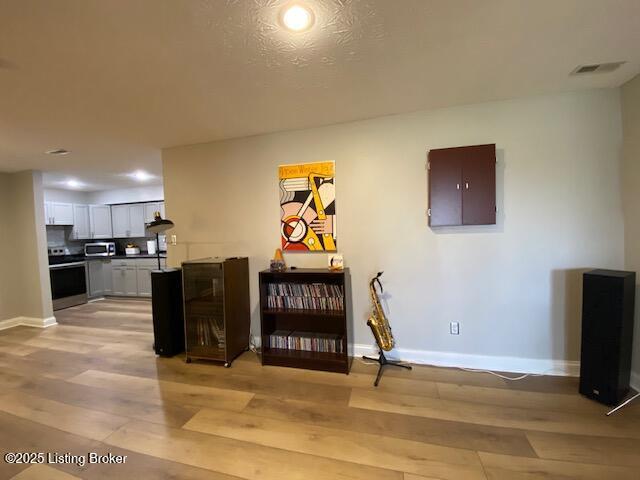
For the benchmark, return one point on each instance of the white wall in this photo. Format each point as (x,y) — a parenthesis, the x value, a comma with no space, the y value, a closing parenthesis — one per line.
(25,289)
(65,196)
(149,193)
(515,287)
(631,196)
(7,307)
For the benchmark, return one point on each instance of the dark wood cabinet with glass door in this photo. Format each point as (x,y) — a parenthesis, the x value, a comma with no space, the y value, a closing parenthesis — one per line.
(216,308)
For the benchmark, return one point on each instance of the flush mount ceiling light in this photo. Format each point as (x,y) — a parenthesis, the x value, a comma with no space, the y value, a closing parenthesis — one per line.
(73,183)
(297,18)
(141,175)
(57,151)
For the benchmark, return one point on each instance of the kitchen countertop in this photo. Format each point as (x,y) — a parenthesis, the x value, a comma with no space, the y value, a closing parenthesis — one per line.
(122,257)
(63,259)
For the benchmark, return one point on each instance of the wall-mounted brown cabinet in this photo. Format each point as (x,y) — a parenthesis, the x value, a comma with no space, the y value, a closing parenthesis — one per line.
(462,186)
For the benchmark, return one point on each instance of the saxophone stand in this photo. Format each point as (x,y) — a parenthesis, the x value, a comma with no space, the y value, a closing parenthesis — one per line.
(382,360)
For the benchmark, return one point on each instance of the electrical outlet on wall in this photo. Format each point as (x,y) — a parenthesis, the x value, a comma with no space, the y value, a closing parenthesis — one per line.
(454,328)
(174,239)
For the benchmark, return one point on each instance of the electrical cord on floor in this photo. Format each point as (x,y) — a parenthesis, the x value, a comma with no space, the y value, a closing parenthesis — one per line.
(252,344)
(473,370)
(499,375)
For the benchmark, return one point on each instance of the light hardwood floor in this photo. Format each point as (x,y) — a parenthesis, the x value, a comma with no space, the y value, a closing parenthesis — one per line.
(93,384)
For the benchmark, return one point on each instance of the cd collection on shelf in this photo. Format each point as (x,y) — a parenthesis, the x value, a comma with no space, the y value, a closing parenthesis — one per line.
(209,331)
(306,296)
(309,341)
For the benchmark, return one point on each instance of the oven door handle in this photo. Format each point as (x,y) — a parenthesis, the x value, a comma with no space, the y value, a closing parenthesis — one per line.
(67,265)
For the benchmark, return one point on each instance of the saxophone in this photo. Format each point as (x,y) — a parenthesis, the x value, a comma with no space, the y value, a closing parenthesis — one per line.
(378,321)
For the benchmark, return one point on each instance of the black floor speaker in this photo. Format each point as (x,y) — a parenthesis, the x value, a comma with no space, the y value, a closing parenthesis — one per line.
(168,320)
(608,299)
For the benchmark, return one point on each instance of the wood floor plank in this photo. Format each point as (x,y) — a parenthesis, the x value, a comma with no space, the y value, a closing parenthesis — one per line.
(420,429)
(271,422)
(10,379)
(546,383)
(562,402)
(586,449)
(104,399)
(433,374)
(361,448)
(18,349)
(43,472)
(233,457)
(510,417)
(32,366)
(180,393)
(411,476)
(21,435)
(249,363)
(57,344)
(505,467)
(204,374)
(80,421)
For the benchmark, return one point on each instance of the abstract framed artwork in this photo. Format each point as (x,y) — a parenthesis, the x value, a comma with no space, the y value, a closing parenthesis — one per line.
(308,207)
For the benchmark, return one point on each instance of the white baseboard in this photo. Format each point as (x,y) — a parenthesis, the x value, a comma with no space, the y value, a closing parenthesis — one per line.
(28,322)
(564,368)
(10,323)
(635,381)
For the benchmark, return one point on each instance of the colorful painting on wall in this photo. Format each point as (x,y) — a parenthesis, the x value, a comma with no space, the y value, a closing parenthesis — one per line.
(308,207)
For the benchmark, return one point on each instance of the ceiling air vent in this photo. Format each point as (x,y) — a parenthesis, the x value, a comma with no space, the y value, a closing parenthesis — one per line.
(57,151)
(596,68)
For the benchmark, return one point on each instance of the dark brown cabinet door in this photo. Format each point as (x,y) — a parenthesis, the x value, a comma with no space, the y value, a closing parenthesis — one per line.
(462,186)
(445,187)
(479,185)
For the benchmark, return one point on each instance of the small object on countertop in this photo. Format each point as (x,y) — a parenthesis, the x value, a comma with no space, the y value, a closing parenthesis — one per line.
(132,249)
(151,247)
(336,262)
(277,263)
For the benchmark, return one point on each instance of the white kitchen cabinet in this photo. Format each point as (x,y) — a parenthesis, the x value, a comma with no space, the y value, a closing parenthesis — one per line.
(47,213)
(100,221)
(144,280)
(81,223)
(100,277)
(128,220)
(125,281)
(150,210)
(58,213)
(120,220)
(96,278)
(131,277)
(117,280)
(136,221)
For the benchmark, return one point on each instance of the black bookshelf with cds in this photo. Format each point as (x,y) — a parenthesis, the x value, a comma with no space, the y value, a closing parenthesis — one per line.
(304,316)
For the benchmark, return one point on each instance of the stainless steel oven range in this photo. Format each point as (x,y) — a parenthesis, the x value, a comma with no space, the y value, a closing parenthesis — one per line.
(68,279)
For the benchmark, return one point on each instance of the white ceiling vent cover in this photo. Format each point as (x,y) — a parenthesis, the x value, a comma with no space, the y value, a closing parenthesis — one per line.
(596,68)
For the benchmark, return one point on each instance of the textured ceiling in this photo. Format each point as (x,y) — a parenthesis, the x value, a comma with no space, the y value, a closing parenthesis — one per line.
(114,81)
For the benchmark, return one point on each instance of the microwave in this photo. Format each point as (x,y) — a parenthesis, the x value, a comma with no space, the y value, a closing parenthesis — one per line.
(101,249)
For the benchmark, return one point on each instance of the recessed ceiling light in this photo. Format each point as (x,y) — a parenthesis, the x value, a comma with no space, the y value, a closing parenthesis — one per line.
(58,151)
(73,183)
(141,175)
(297,18)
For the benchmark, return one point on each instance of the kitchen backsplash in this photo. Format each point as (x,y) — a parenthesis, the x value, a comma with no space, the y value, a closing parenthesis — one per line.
(59,236)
